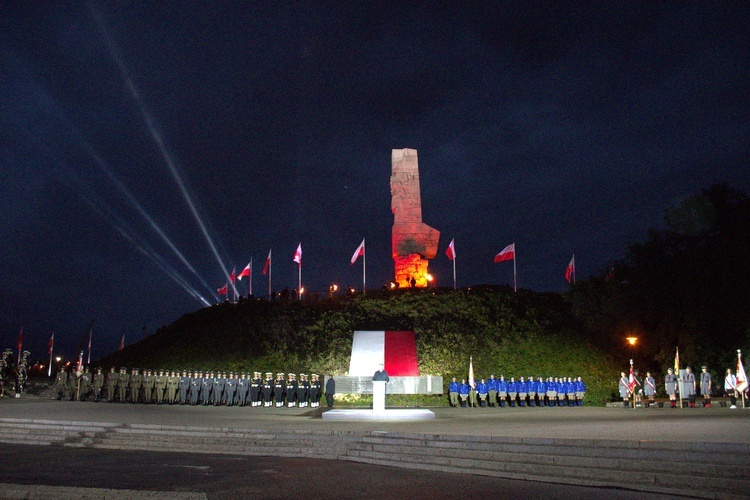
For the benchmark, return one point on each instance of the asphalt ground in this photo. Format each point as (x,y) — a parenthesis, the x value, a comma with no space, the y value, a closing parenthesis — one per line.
(93,473)
(716,424)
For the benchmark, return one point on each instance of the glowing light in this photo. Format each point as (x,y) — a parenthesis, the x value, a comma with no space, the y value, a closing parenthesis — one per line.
(632,340)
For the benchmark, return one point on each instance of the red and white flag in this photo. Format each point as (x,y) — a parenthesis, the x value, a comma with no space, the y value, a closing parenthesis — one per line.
(51,343)
(224,290)
(741,377)
(360,251)
(267,265)
(451,250)
(507,253)
(20,342)
(91,333)
(570,271)
(395,350)
(122,343)
(631,379)
(233,276)
(245,272)
(298,255)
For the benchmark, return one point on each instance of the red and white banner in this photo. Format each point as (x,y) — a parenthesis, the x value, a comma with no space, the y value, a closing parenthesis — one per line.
(224,290)
(507,253)
(360,251)
(245,272)
(267,264)
(233,276)
(451,250)
(570,271)
(741,377)
(298,255)
(51,343)
(395,350)
(631,379)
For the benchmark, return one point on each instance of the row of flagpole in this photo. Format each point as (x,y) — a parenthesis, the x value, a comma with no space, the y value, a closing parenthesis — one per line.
(507,253)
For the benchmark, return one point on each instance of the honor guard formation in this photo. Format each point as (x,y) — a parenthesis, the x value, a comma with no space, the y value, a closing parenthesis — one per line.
(562,391)
(189,388)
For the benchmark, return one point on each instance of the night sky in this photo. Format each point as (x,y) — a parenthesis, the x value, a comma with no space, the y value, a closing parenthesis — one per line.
(564,127)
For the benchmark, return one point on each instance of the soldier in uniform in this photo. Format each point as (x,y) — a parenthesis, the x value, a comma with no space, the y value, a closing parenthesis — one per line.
(149,383)
(502,390)
(184,385)
(689,380)
(160,385)
(649,389)
(291,390)
(315,390)
(136,380)
(303,390)
(242,389)
(580,391)
(84,384)
(670,386)
(173,385)
(255,386)
(217,395)
(278,390)
(492,390)
(205,387)
(97,384)
(61,381)
(706,387)
(123,382)
(730,388)
(72,384)
(453,392)
(512,391)
(111,384)
(231,389)
(268,385)
(624,387)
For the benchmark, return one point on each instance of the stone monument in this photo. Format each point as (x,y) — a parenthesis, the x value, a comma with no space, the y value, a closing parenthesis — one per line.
(412,241)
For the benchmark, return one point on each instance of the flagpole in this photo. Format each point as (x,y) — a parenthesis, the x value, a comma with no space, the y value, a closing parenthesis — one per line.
(634,385)
(679,379)
(20,345)
(51,348)
(270,269)
(364,267)
(515,288)
(91,332)
(250,281)
(454,272)
(574,269)
(299,280)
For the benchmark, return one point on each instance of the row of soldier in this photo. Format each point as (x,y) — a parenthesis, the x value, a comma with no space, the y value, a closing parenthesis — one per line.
(552,391)
(204,388)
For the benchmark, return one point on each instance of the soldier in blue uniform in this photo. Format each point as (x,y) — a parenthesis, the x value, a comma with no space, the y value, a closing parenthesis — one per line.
(580,391)
(492,390)
(463,392)
(512,391)
(482,391)
(502,390)
(453,392)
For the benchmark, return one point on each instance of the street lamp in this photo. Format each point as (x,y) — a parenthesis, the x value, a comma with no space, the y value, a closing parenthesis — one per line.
(332,289)
(632,341)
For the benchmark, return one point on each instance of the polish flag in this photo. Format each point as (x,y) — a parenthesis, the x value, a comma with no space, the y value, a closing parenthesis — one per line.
(631,379)
(233,276)
(360,251)
(20,342)
(224,290)
(122,343)
(570,271)
(741,377)
(395,350)
(51,343)
(245,272)
(508,253)
(298,255)
(267,264)
(451,251)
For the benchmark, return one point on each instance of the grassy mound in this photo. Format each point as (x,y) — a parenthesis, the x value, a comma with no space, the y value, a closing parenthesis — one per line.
(517,334)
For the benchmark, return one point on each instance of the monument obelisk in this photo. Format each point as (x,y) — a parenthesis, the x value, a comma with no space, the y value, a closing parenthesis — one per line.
(412,241)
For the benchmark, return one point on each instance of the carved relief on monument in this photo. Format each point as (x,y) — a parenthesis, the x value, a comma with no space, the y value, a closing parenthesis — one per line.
(412,242)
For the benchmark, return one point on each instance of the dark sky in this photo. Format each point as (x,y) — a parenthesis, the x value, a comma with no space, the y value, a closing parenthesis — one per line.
(566,127)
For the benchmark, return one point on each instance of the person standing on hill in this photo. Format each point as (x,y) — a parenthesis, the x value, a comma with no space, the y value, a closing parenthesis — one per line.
(330,390)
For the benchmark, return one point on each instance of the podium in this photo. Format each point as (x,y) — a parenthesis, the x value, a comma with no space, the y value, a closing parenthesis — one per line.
(378,396)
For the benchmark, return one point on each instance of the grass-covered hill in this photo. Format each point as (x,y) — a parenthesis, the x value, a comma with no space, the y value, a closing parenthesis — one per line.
(517,334)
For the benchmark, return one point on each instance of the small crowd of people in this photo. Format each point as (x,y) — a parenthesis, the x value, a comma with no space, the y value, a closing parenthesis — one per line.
(14,374)
(193,388)
(685,387)
(550,391)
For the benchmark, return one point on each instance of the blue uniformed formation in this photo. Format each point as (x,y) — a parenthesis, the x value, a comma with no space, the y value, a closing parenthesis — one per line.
(200,388)
(552,391)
